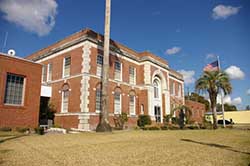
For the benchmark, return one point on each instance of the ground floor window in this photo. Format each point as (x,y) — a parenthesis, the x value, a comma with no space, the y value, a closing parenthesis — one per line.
(132,104)
(98,102)
(14,90)
(157,114)
(65,98)
(117,102)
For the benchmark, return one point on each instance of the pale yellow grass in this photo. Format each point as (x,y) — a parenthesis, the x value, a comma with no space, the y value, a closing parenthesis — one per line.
(129,148)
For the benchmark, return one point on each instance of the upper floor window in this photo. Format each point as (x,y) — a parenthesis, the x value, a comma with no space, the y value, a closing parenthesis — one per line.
(132,77)
(156,88)
(99,62)
(179,90)
(66,66)
(44,69)
(14,90)
(117,102)
(118,71)
(172,88)
(49,74)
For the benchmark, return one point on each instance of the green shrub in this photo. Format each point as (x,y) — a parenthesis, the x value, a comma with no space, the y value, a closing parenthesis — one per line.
(120,120)
(166,119)
(192,127)
(39,130)
(22,129)
(174,120)
(5,129)
(143,120)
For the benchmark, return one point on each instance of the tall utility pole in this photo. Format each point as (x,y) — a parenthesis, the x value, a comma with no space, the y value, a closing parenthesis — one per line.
(104,125)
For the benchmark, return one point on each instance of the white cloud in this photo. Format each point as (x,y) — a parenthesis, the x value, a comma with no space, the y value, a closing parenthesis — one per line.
(188,76)
(33,15)
(235,73)
(211,56)
(223,12)
(248,92)
(173,50)
(228,100)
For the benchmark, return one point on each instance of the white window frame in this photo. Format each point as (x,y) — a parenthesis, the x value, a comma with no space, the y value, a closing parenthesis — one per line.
(49,67)
(62,105)
(132,112)
(179,90)
(23,91)
(120,107)
(120,77)
(99,67)
(134,76)
(64,76)
(44,77)
(98,111)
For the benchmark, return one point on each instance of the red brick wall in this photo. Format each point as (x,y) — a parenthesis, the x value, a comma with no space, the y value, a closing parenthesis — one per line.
(198,110)
(28,114)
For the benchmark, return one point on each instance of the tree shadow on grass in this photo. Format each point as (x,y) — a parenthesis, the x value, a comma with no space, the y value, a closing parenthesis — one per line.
(10,138)
(216,145)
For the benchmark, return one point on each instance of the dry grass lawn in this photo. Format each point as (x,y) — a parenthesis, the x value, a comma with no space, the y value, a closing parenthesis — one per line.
(153,148)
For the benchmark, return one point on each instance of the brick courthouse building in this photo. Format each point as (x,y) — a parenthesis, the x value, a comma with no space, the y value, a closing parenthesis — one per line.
(140,83)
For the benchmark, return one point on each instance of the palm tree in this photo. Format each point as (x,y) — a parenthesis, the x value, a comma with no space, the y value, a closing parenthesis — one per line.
(104,125)
(213,82)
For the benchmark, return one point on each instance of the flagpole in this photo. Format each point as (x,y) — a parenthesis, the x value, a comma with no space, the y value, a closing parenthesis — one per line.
(222,96)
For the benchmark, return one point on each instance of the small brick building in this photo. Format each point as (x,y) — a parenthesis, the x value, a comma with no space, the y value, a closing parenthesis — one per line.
(20,85)
(198,110)
(139,83)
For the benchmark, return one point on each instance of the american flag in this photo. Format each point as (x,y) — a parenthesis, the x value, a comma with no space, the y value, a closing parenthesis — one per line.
(212,66)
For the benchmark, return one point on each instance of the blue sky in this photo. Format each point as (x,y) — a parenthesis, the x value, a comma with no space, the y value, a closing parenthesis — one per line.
(188,34)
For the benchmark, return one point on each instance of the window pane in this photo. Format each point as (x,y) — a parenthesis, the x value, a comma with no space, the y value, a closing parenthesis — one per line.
(67,62)
(44,73)
(131,75)
(98,99)
(117,103)
(14,89)
(50,72)
(99,59)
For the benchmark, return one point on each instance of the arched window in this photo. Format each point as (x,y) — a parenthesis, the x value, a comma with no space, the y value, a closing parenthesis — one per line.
(117,101)
(98,99)
(132,103)
(156,88)
(65,98)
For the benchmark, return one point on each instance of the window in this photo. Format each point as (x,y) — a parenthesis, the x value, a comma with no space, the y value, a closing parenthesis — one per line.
(156,89)
(118,71)
(132,79)
(117,102)
(65,98)
(179,90)
(44,73)
(132,103)
(98,100)
(49,75)
(157,114)
(14,90)
(99,62)
(142,109)
(66,67)
(172,88)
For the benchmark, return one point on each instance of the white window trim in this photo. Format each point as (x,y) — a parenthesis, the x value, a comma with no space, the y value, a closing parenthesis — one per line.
(120,79)
(130,82)
(63,76)
(48,69)
(43,72)
(133,113)
(62,111)
(115,111)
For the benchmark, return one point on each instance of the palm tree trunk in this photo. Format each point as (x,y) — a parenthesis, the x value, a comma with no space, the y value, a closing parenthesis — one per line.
(104,125)
(213,107)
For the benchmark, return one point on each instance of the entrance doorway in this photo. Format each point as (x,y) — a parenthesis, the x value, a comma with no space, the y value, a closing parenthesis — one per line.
(157,114)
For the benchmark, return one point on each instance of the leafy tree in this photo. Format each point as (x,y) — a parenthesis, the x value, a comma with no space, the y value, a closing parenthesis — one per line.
(213,82)
(227,107)
(248,107)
